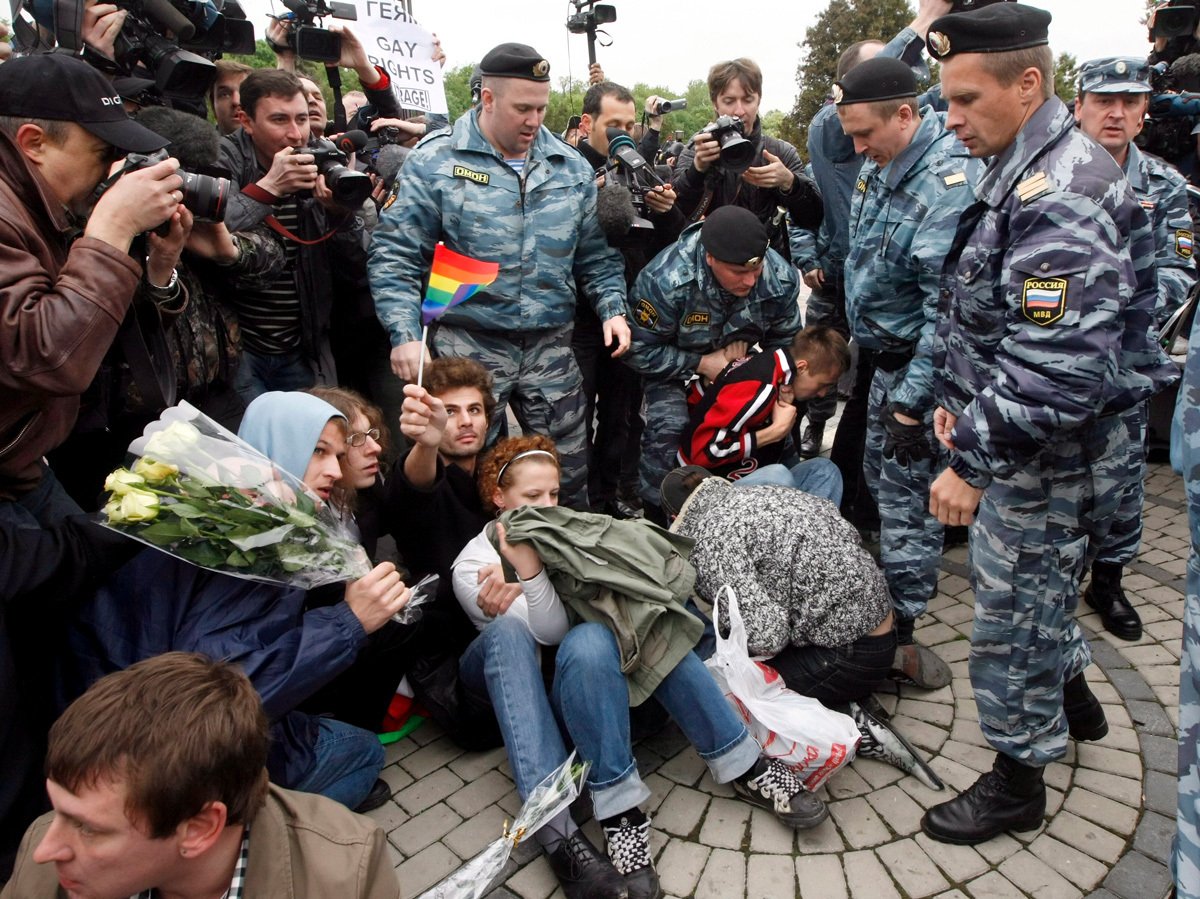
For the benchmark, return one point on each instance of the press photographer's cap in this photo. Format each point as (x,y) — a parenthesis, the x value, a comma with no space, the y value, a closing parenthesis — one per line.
(993,29)
(71,91)
(515,61)
(735,235)
(1115,75)
(881,78)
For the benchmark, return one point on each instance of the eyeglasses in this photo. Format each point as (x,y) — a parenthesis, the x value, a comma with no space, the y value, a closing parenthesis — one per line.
(359,438)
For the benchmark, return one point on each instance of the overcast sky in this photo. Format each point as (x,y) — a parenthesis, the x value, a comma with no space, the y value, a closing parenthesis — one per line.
(674,43)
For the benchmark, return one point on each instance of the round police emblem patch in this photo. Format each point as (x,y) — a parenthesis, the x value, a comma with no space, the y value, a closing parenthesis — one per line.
(1121,67)
(836,93)
(939,43)
(541,68)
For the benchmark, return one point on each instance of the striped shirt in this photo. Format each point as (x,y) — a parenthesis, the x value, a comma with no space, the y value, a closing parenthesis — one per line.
(270,317)
(236,884)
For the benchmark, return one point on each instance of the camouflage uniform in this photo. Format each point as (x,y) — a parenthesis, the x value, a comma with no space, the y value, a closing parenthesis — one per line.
(902,222)
(1185,456)
(1163,194)
(1045,335)
(678,312)
(541,227)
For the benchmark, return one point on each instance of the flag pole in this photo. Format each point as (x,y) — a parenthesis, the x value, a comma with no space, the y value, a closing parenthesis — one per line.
(421,363)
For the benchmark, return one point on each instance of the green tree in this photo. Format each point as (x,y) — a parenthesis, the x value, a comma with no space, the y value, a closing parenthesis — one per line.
(840,24)
(1066,76)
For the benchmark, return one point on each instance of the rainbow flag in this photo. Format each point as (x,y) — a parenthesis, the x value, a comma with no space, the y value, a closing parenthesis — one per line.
(453,278)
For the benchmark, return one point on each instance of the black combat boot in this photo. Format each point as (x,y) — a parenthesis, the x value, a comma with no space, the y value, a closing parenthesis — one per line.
(811,439)
(1085,715)
(1009,797)
(1106,596)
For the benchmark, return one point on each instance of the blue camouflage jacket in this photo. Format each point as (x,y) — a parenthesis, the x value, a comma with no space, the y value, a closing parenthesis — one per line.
(902,222)
(542,229)
(1046,310)
(1163,194)
(678,311)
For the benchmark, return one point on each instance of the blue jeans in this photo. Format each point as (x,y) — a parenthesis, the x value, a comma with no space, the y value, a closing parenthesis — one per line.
(259,373)
(591,697)
(44,506)
(818,477)
(347,761)
(501,665)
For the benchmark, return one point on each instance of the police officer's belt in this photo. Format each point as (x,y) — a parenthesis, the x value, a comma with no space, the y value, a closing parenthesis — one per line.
(894,359)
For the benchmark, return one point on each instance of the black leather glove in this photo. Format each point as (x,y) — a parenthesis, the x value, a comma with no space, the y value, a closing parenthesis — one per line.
(907,444)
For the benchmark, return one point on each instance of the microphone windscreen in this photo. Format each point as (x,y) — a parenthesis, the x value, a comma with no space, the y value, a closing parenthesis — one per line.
(614,209)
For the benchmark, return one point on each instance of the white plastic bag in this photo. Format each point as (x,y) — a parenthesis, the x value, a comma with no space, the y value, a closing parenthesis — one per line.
(809,738)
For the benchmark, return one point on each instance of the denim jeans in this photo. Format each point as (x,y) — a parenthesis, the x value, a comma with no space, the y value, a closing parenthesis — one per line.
(818,477)
(347,761)
(591,697)
(501,666)
(259,373)
(44,506)
(836,675)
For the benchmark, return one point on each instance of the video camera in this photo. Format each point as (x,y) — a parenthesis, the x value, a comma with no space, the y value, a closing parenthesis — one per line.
(1177,19)
(627,173)
(349,188)
(1174,108)
(737,153)
(671,106)
(588,14)
(311,41)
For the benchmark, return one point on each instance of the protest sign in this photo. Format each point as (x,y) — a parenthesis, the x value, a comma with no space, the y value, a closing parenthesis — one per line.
(402,48)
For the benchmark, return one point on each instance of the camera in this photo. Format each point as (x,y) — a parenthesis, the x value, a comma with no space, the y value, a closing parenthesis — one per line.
(308,39)
(671,106)
(349,188)
(1175,20)
(737,153)
(203,195)
(585,22)
(388,135)
(627,168)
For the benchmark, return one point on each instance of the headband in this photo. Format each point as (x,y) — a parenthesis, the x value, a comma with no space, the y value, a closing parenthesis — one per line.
(522,455)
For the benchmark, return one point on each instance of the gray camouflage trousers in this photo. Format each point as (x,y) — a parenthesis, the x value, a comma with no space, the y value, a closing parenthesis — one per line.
(535,371)
(910,539)
(1028,551)
(1185,857)
(1125,536)
(666,418)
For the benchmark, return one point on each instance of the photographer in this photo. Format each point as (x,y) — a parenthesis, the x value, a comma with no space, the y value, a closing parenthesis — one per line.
(285,325)
(705,180)
(64,291)
(607,383)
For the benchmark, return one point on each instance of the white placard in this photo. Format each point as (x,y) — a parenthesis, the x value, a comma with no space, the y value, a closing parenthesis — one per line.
(402,48)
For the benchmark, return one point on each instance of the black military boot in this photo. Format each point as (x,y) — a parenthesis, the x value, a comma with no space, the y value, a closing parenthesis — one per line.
(1009,797)
(811,439)
(1106,596)
(1085,715)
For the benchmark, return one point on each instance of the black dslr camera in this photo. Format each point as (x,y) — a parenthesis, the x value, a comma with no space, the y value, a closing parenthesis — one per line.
(203,195)
(309,40)
(350,188)
(737,153)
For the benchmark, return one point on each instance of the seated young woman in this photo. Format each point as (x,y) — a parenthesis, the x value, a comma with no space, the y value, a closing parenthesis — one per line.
(589,693)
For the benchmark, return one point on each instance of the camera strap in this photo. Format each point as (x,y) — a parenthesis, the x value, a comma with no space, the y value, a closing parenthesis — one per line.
(275,225)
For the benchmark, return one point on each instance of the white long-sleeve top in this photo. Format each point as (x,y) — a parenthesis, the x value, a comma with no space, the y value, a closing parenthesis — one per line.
(538,605)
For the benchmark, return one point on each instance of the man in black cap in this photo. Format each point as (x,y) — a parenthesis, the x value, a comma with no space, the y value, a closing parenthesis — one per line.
(698,305)
(907,200)
(500,187)
(1044,335)
(66,276)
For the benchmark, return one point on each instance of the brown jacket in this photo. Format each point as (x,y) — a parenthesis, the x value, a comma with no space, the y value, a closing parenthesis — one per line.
(302,846)
(60,306)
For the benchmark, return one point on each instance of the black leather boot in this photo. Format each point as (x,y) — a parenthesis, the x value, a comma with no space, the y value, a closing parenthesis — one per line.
(1011,796)
(811,439)
(1106,596)
(1085,715)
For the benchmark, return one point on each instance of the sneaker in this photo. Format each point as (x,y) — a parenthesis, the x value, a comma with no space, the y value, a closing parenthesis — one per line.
(774,786)
(583,872)
(881,743)
(628,845)
(919,666)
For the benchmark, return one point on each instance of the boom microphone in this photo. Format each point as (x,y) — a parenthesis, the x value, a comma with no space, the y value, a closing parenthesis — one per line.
(388,162)
(167,17)
(614,209)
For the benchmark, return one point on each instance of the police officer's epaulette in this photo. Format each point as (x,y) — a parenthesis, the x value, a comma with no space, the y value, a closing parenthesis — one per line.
(434,135)
(1031,188)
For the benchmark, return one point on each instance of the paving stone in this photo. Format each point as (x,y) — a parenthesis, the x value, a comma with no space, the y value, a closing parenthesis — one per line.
(1137,877)
(847,783)
(968,732)
(428,791)
(1118,716)
(1129,683)
(1150,717)
(426,868)
(418,832)
(712,788)
(1160,754)
(473,836)
(1114,816)
(954,651)
(998,848)
(768,834)
(994,886)
(1095,841)
(659,787)
(951,894)
(535,881)
(821,877)
(1037,878)
(930,712)
(429,758)
(479,794)
(724,876)
(680,865)
(389,816)
(897,809)
(959,777)
(867,878)
(1078,867)
(1154,835)
(1123,789)
(977,758)
(471,765)
(681,810)
(933,634)
(876,773)
(1123,738)
(725,824)
(822,838)
(1126,764)
(960,863)
(1161,792)
(393,752)
(685,768)
(908,864)
(770,875)
(923,795)
(1105,692)
(396,778)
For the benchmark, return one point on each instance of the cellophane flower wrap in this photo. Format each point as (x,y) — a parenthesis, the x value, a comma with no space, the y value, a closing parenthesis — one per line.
(197,491)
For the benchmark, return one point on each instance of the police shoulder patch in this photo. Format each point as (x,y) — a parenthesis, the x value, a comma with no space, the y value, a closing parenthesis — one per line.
(1044,300)
(696,318)
(861,186)
(1184,243)
(645,313)
(461,171)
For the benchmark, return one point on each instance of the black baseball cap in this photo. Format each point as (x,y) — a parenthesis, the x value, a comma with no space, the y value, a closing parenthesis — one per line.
(72,91)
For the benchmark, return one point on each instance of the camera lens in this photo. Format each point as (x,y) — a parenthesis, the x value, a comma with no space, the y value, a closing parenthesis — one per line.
(349,188)
(737,153)
(205,196)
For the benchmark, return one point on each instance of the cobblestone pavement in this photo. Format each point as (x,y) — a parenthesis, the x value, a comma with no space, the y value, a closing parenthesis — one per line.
(1111,803)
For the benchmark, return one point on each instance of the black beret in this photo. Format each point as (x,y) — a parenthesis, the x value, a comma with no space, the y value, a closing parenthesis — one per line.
(735,235)
(881,78)
(992,29)
(515,61)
